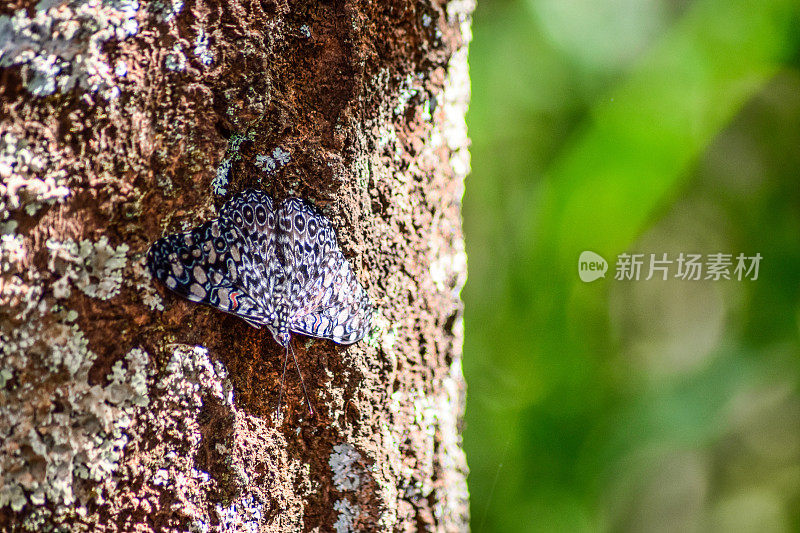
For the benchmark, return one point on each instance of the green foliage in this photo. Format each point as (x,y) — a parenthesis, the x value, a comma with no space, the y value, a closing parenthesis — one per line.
(648,127)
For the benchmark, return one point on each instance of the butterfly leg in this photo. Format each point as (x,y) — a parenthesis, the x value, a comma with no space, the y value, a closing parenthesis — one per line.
(251,322)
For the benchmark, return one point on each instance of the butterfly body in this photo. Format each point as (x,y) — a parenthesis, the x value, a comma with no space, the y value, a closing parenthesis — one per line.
(274,266)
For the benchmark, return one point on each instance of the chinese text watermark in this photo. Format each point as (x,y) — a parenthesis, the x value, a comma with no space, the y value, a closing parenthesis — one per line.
(684,266)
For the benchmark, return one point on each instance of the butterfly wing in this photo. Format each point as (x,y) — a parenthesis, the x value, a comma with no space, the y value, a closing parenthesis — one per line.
(204,265)
(270,267)
(304,240)
(252,215)
(328,302)
(340,311)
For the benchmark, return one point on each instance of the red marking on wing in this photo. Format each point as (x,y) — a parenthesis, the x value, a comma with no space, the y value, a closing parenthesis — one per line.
(233,295)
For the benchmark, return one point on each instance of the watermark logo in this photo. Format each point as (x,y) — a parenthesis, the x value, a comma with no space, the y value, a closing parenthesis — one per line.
(591,266)
(683,266)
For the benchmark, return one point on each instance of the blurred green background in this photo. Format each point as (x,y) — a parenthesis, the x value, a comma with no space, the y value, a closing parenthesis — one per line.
(633,126)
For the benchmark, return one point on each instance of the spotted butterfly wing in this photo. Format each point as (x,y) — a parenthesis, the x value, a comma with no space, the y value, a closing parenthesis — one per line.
(281,268)
(329,301)
(251,214)
(339,313)
(201,265)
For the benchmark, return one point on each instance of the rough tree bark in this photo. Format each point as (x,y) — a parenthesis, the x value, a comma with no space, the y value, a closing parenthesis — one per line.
(125,408)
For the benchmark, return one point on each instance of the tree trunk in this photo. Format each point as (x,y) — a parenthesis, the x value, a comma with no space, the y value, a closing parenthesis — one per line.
(126,408)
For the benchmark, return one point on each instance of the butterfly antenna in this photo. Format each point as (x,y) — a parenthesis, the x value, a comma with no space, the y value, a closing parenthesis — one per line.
(302,381)
(283,379)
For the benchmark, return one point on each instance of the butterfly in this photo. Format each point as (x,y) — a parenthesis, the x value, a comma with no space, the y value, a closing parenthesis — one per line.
(274,266)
